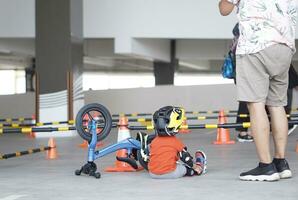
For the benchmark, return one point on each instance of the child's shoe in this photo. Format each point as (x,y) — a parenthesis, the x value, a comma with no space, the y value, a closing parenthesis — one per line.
(201,160)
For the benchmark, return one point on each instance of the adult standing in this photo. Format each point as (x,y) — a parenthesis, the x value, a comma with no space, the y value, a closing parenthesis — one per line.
(243,134)
(293,83)
(264,52)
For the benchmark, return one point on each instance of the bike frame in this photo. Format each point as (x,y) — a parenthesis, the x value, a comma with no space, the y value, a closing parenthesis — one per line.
(93,154)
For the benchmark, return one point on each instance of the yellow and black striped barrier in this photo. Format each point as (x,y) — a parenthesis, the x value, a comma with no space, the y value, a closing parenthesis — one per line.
(15,125)
(131,115)
(229,116)
(135,120)
(141,120)
(227,112)
(69,122)
(36,130)
(21,119)
(196,117)
(187,112)
(22,153)
(205,126)
(210,112)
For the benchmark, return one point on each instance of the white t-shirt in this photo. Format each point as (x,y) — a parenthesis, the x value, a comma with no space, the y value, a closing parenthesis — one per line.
(263,23)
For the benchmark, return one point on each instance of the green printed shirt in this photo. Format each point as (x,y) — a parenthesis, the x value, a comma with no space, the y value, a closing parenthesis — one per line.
(263,23)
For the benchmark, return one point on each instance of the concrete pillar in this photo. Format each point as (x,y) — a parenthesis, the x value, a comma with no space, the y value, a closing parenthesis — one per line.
(164,71)
(59,58)
(29,74)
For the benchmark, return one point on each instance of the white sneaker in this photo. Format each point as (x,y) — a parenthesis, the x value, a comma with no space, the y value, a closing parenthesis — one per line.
(292,129)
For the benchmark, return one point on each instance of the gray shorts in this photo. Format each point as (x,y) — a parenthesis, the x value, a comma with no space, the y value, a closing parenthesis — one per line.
(263,76)
(179,172)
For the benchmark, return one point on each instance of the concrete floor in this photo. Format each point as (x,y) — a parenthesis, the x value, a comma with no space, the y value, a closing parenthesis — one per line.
(33,177)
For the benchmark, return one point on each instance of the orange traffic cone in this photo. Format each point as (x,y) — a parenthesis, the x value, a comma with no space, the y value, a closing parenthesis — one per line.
(33,121)
(52,153)
(223,135)
(184,130)
(84,144)
(123,133)
(31,135)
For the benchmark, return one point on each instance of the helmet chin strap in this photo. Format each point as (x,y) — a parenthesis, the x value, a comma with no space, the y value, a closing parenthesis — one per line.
(169,134)
(166,129)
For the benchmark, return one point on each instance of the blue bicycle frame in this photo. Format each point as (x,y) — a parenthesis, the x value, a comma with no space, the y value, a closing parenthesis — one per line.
(93,154)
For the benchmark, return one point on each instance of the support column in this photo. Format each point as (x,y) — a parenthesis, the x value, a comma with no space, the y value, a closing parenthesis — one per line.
(29,75)
(59,58)
(163,71)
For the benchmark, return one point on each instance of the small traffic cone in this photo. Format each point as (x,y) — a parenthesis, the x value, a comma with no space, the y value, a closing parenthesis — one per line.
(223,135)
(100,143)
(52,153)
(297,146)
(84,144)
(33,121)
(123,133)
(184,130)
(31,135)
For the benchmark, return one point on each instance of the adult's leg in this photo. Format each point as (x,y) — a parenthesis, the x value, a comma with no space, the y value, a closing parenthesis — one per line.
(260,130)
(276,100)
(288,108)
(279,125)
(243,135)
(242,109)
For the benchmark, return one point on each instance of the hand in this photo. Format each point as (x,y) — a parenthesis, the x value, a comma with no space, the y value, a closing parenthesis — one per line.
(225,7)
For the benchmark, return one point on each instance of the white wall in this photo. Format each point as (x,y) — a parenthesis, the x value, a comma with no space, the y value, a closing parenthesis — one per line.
(17,18)
(20,105)
(149,99)
(129,18)
(156,19)
(196,98)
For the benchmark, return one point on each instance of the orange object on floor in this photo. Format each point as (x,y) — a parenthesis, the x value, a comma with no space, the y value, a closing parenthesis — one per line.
(122,166)
(184,130)
(223,135)
(99,144)
(31,135)
(84,145)
(123,133)
(33,118)
(52,153)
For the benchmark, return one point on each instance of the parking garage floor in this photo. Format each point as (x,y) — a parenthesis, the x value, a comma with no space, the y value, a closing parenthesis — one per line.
(33,177)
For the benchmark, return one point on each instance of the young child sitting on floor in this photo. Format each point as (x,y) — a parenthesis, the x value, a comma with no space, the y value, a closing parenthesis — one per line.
(166,149)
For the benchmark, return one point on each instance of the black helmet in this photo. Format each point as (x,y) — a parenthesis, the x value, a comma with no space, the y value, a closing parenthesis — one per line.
(167,120)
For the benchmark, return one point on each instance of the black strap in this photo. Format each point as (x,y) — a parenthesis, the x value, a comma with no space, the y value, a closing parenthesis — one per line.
(129,161)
